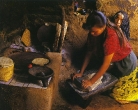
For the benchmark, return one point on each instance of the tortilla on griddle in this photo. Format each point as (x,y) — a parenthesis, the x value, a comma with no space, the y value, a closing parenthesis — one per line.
(40,61)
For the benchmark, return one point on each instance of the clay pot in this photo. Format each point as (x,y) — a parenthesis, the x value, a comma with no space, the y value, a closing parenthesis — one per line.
(42,73)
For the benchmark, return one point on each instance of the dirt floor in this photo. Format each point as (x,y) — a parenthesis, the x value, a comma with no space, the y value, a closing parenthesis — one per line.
(67,99)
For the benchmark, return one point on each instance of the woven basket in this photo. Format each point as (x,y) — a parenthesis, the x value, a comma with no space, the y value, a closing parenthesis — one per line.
(6,68)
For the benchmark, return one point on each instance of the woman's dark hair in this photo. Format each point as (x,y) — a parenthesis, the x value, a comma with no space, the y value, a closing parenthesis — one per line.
(125,23)
(97,18)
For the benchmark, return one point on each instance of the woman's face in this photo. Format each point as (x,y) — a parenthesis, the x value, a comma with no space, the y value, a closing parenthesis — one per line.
(119,19)
(96,31)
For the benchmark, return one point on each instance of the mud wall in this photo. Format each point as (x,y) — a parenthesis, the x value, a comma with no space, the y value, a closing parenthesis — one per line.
(17,15)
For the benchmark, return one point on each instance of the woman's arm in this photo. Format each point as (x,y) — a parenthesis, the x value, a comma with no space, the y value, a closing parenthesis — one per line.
(86,61)
(100,72)
(84,65)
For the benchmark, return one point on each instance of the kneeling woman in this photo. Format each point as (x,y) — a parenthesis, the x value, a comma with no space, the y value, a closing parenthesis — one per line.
(106,39)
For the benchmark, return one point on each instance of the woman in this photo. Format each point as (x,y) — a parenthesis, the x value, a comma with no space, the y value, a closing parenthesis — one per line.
(121,19)
(108,42)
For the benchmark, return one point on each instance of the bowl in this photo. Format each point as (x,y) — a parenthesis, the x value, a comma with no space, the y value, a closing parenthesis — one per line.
(42,73)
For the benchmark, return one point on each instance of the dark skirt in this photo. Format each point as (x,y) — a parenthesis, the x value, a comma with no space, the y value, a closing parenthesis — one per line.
(125,66)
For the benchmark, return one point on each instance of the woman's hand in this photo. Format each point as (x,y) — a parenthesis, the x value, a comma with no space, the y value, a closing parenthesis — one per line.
(75,75)
(86,83)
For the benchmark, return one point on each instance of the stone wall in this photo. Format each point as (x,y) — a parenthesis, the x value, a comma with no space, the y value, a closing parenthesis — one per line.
(110,7)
